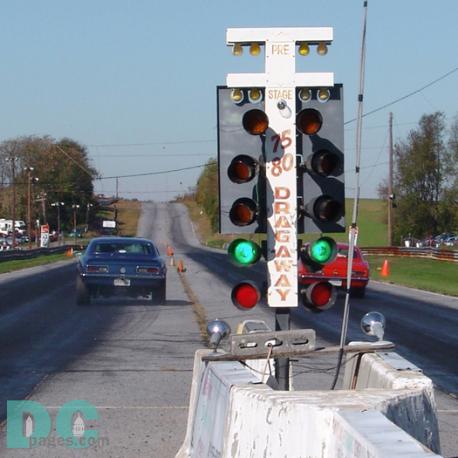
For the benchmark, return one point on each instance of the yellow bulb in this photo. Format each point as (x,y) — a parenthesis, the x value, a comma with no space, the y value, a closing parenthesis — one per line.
(304,49)
(254,95)
(322,49)
(323,95)
(237,49)
(237,95)
(305,94)
(255,49)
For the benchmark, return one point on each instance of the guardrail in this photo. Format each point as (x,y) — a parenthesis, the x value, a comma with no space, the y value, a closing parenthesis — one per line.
(13,255)
(432,253)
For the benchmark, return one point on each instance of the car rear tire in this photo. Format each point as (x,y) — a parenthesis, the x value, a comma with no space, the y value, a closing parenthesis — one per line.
(159,294)
(358,292)
(82,293)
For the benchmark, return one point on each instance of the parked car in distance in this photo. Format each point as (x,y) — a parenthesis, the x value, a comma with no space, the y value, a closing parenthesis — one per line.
(129,266)
(75,233)
(53,236)
(6,242)
(336,271)
(451,241)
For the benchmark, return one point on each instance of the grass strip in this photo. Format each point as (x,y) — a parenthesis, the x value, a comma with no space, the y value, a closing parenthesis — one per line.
(10,266)
(422,273)
(128,215)
(198,308)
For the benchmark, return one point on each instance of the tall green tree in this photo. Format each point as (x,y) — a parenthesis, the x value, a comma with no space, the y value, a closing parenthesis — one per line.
(425,179)
(64,174)
(207,192)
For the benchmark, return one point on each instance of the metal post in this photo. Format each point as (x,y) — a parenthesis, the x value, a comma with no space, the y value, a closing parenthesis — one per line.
(29,209)
(74,222)
(58,222)
(13,173)
(43,207)
(390,183)
(88,206)
(282,323)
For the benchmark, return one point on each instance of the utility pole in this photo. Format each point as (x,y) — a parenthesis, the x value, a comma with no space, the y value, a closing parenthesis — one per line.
(88,206)
(12,159)
(58,205)
(75,208)
(42,199)
(390,182)
(30,180)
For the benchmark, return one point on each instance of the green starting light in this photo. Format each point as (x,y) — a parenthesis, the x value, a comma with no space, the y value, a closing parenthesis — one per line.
(323,250)
(244,252)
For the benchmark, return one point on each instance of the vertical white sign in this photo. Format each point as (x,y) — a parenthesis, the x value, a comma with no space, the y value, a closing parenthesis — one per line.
(280,155)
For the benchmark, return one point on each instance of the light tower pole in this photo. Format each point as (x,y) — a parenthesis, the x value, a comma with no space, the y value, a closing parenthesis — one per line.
(58,205)
(12,159)
(30,181)
(390,183)
(75,208)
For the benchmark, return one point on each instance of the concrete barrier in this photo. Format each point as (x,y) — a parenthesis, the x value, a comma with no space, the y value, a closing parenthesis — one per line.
(232,414)
(208,405)
(267,423)
(415,413)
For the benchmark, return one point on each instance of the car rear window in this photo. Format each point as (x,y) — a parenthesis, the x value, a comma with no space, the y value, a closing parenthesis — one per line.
(124,248)
(343,251)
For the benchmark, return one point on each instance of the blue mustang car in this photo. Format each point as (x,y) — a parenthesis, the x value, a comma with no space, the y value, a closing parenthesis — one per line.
(120,265)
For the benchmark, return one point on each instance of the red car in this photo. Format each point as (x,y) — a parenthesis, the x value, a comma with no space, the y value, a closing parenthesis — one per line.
(336,271)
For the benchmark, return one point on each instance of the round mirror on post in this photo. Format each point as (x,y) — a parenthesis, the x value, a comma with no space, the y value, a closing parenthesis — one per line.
(373,324)
(217,330)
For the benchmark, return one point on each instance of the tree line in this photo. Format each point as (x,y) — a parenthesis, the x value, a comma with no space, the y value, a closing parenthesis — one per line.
(425,182)
(59,172)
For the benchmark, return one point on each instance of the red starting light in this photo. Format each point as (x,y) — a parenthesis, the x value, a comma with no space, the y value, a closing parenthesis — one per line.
(242,169)
(309,121)
(243,212)
(320,296)
(324,163)
(325,208)
(255,122)
(245,295)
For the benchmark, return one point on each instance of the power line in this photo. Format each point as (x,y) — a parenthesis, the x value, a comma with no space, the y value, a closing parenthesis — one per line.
(124,176)
(375,110)
(178,142)
(405,96)
(151,173)
(81,166)
(124,155)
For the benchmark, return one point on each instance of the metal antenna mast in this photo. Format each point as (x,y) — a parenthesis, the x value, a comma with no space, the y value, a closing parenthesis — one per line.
(353,227)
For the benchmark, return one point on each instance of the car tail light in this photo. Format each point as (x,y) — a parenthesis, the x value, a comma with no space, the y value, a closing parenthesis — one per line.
(97,269)
(359,273)
(319,296)
(147,270)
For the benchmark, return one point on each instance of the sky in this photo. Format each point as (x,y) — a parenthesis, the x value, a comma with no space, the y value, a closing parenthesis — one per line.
(135,81)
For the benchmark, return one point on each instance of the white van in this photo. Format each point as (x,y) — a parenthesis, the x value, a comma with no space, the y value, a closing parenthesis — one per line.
(21,227)
(6,226)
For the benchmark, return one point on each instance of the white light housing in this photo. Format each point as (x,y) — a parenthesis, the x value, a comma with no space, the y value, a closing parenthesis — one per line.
(305,94)
(254,95)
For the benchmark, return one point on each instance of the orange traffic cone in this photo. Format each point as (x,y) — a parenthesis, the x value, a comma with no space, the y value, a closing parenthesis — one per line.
(385,269)
(69,252)
(180,266)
